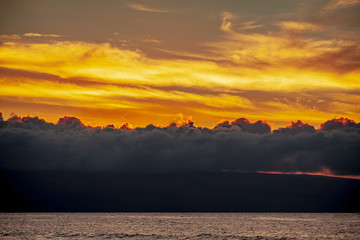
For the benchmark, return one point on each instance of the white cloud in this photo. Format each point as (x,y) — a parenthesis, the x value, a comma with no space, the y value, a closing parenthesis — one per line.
(143,8)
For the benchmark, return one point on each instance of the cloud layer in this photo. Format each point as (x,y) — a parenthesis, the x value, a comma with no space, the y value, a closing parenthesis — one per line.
(151,61)
(30,143)
(250,75)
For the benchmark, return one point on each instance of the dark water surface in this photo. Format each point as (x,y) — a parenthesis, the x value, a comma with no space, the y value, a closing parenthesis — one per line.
(179,226)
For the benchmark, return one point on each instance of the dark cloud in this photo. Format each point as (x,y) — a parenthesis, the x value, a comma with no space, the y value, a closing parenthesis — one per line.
(18,74)
(344,60)
(30,143)
(70,122)
(1,120)
(340,123)
(246,126)
(31,123)
(295,128)
(125,126)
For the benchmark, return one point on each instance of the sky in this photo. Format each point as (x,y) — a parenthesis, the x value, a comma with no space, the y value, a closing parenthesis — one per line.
(164,61)
(92,90)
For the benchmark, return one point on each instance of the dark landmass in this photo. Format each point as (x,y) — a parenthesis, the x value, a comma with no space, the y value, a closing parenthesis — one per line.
(175,192)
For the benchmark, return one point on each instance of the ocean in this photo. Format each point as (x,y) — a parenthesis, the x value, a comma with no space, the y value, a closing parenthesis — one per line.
(180,226)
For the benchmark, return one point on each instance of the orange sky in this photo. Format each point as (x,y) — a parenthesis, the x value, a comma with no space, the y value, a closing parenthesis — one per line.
(165,60)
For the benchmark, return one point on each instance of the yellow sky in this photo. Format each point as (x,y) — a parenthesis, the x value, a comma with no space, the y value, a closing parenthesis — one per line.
(298,70)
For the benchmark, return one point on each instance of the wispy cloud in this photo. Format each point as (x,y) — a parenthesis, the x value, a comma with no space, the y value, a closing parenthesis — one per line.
(141,7)
(250,25)
(150,40)
(341,4)
(299,27)
(10,36)
(226,21)
(289,46)
(28,35)
(41,35)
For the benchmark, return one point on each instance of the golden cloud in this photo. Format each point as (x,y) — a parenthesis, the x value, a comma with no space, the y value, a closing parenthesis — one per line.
(299,27)
(100,76)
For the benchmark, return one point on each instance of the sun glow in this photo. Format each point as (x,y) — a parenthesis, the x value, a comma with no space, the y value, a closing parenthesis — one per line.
(94,76)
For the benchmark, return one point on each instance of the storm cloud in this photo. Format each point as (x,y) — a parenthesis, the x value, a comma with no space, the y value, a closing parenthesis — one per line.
(32,144)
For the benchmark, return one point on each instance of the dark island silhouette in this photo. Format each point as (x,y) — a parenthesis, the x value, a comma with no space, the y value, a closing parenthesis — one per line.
(176,192)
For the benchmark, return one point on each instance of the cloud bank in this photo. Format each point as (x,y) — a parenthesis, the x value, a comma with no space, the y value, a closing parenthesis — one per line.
(31,144)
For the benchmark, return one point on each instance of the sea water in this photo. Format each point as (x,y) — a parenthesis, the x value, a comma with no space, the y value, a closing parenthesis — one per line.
(179,226)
